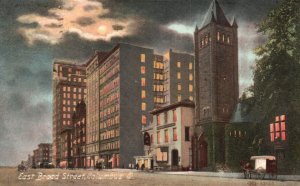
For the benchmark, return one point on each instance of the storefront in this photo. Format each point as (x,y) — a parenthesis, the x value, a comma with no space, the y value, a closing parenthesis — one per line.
(143,161)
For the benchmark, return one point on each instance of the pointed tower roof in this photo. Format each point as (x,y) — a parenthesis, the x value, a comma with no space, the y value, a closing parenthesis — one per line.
(234,24)
(215,13)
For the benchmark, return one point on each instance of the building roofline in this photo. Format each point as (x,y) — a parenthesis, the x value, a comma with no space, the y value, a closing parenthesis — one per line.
(183,103)
(181,53)
(66,62)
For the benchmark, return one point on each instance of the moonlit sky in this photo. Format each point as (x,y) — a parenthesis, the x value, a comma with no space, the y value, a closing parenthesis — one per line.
(35,32)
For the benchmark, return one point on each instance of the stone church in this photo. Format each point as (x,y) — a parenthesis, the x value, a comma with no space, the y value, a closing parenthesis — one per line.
(216,85)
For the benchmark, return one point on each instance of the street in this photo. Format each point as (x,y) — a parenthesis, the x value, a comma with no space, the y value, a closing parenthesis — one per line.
(49,177)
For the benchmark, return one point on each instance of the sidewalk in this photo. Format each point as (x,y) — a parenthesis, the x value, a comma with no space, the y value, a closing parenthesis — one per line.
(237,175)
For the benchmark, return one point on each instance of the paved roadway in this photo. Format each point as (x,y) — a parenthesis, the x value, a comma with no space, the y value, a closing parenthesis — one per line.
(55,177)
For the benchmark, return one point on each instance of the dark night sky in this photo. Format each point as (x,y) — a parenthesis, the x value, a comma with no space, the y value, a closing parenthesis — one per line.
(35,32)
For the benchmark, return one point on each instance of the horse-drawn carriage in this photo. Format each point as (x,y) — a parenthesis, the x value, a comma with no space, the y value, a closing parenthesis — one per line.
(264,165)
(22,168)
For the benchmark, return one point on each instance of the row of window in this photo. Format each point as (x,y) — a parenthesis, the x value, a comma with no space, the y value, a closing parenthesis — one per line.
(109,110)
(110,122)
(158,76)
(158,65)
(78,141)
(190,65)
(110,62)
(158,88)
(166,136)
(110,134)
(158,99)
(74,96)
(70,70)
(164,118)
(113,96)
(205,40)
(92,148)
(73,89)
(191,87)
(110,146)
(236,133)
(76,79)
(221,37)
(109,74)
(110,86)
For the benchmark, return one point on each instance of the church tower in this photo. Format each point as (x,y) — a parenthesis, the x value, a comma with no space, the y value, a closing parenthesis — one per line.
(216,85)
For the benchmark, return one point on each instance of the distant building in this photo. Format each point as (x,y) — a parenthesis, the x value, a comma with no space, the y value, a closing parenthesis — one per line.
(169,146)
(30,161)
(35,158)
(79,135)
(43,154)
(216,86)
(69,88)
(178,77)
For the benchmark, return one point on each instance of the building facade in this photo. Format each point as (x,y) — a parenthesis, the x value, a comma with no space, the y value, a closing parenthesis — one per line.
(35,158)
(126,97)
(158,81)
(69,88)
(216,81)
(93,112)
(169,135)
(44,154)
(79,135)
(178,77)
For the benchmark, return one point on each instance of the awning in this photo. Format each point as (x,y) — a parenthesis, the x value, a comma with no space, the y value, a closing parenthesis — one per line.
(263,157)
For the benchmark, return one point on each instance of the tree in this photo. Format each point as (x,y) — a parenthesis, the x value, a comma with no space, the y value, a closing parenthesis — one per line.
(276,88)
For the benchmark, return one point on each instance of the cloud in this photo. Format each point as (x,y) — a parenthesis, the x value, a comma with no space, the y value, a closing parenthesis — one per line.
(82,17)
(181,28)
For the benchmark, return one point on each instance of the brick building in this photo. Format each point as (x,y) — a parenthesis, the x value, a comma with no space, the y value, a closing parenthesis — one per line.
(44,154)
(216,85)
(69,88)
(79,135)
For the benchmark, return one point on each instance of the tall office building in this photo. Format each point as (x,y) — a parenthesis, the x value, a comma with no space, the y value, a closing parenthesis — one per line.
(216,81)
(178,77)
(69,88)
(126,97)
(120,96)
(92,107)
